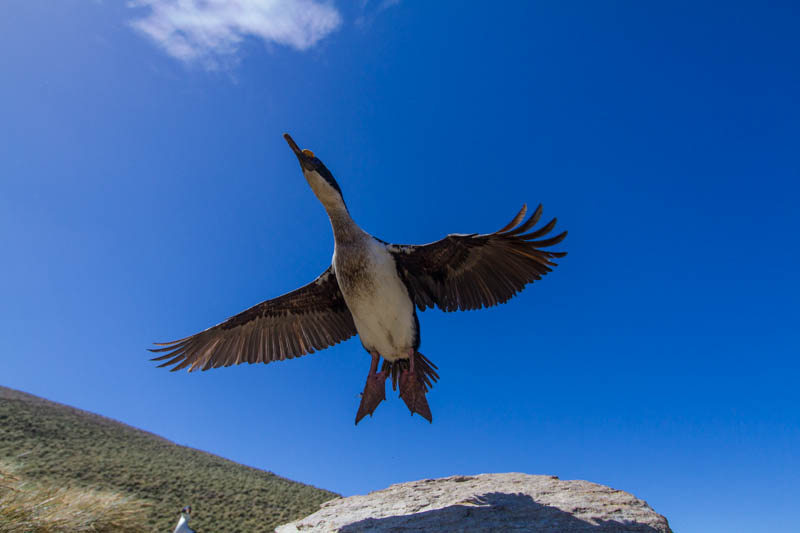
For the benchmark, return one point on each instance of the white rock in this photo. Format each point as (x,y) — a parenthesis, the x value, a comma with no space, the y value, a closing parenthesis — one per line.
(487,502)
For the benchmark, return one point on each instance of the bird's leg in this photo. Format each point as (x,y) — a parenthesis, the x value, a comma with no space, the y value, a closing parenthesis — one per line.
(374,390)
(412,390)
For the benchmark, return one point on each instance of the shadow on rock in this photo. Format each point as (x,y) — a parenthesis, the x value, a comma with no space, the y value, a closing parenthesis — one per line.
(495,511)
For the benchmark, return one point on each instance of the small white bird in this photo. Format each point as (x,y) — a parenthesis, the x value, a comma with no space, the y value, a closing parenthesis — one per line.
(183,521)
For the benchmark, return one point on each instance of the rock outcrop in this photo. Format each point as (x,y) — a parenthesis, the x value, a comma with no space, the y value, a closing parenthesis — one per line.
(487,502)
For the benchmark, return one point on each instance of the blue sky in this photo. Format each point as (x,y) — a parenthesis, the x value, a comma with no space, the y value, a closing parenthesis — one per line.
(146,194)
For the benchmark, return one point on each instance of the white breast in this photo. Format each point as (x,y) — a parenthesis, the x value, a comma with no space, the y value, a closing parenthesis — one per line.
(183,526)
(378,300)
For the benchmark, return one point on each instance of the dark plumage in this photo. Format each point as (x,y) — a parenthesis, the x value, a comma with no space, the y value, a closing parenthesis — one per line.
(310,318)
(465,272)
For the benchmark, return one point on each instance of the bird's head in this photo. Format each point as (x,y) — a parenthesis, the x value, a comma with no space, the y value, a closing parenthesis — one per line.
(318,176)
(187,510)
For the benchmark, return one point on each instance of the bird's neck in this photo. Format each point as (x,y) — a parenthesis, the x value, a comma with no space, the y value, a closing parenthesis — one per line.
(344,227)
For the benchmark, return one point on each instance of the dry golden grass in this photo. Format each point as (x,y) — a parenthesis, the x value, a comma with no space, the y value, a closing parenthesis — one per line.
(30,507)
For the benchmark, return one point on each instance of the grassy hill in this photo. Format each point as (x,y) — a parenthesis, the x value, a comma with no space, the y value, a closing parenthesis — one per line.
(54,444)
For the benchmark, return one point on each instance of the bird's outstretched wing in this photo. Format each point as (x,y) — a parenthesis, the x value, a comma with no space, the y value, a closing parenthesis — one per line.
(310,318)
(462,272)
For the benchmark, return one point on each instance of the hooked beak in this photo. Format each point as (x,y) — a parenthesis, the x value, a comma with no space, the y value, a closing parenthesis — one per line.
(303,158)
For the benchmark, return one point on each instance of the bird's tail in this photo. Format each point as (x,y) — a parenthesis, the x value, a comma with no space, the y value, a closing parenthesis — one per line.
(423,366)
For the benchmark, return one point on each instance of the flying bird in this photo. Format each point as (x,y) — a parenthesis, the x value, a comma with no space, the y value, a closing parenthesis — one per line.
(373,288)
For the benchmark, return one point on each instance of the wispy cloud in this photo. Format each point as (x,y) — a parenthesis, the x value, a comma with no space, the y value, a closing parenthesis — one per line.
(386,4)
(383,4)
(210,30)
(369,11)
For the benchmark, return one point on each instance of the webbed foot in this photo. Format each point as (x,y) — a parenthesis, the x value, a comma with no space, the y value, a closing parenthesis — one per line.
(374,390)
(412,392)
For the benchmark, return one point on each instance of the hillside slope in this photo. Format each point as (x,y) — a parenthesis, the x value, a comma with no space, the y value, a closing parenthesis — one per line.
(56,443)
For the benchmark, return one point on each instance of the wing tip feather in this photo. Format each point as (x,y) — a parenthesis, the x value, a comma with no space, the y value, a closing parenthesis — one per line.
(516,220)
